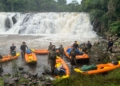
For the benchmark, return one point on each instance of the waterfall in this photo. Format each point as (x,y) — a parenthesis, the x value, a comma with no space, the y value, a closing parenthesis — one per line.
(71,25)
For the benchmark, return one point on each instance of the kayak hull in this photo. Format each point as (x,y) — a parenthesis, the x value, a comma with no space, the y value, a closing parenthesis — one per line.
(101,68)
(81,58)
(9,57)
(60,61)
(41,51)
(30,58)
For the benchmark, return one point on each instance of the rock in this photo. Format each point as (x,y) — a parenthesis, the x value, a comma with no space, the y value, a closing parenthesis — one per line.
(35,75)
(11,83)
(30,83)
(6,74)
(42,78)
(6,80)
(34,82)
(48,84)
(24,84)
(16,79)
(14,19)
(25,76)
(20,68)
(29,79)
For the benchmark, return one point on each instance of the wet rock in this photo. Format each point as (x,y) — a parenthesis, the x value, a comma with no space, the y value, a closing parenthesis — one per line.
(42,78)
(34,82)
(16,79)
(30,83)
(23,72)
(14,19)
(11,83)
(6,74)
(7,23)
(35,75)
(20,68)
(24,84)
(29,79)
(6,80)
(48,84)
(47,71)
(25,76)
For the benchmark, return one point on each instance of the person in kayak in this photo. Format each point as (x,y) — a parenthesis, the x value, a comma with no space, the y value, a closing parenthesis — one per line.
(13,50)
(61,51)
(52,58)
(23,48)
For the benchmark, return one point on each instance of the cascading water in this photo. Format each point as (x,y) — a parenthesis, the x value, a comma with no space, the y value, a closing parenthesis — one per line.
(56,27)
(38,29)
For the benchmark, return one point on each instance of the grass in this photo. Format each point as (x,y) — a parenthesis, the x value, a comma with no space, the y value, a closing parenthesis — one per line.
(1,82)
(110,79)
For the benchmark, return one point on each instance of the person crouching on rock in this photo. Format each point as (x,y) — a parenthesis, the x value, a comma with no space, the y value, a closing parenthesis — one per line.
(52,58)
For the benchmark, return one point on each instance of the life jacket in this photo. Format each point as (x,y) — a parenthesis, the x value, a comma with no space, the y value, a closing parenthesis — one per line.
(13,53)
(28,51)
(72,52)
(61,50)
(53,55)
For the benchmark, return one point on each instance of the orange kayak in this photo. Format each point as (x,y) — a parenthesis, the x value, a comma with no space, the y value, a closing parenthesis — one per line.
(41,51)
(61,62)
(101,68)
(30,58)
(84,56)
(9,57)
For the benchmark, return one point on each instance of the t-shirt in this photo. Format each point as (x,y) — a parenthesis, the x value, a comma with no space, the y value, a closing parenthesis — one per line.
(12,48)
(23,47)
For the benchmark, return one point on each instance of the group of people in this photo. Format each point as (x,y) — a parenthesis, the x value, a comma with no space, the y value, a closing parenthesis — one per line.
(52,53)
(23,48)
(78,49)
(74,50)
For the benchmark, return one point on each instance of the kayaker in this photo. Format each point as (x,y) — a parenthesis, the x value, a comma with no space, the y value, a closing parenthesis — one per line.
(13,50)
(23,48)
(50,46)
(110,45)
(61,51)
(73,54)
(52,58)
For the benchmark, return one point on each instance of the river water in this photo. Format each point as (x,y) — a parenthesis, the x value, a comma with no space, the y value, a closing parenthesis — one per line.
(38,30)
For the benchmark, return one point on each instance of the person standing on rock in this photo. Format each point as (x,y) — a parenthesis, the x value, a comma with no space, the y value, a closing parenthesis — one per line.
(110,45)
(23,48)
(52,58)
(89,45)
(61,51)
(12,50)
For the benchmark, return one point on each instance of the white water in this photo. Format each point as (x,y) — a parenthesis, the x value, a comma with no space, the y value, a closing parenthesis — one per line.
(55,27)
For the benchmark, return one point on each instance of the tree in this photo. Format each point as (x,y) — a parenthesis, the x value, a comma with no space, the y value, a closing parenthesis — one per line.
(61,2)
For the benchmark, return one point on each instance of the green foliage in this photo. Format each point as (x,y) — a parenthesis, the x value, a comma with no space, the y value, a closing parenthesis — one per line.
(1,82)
(115,27)
(96,13)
